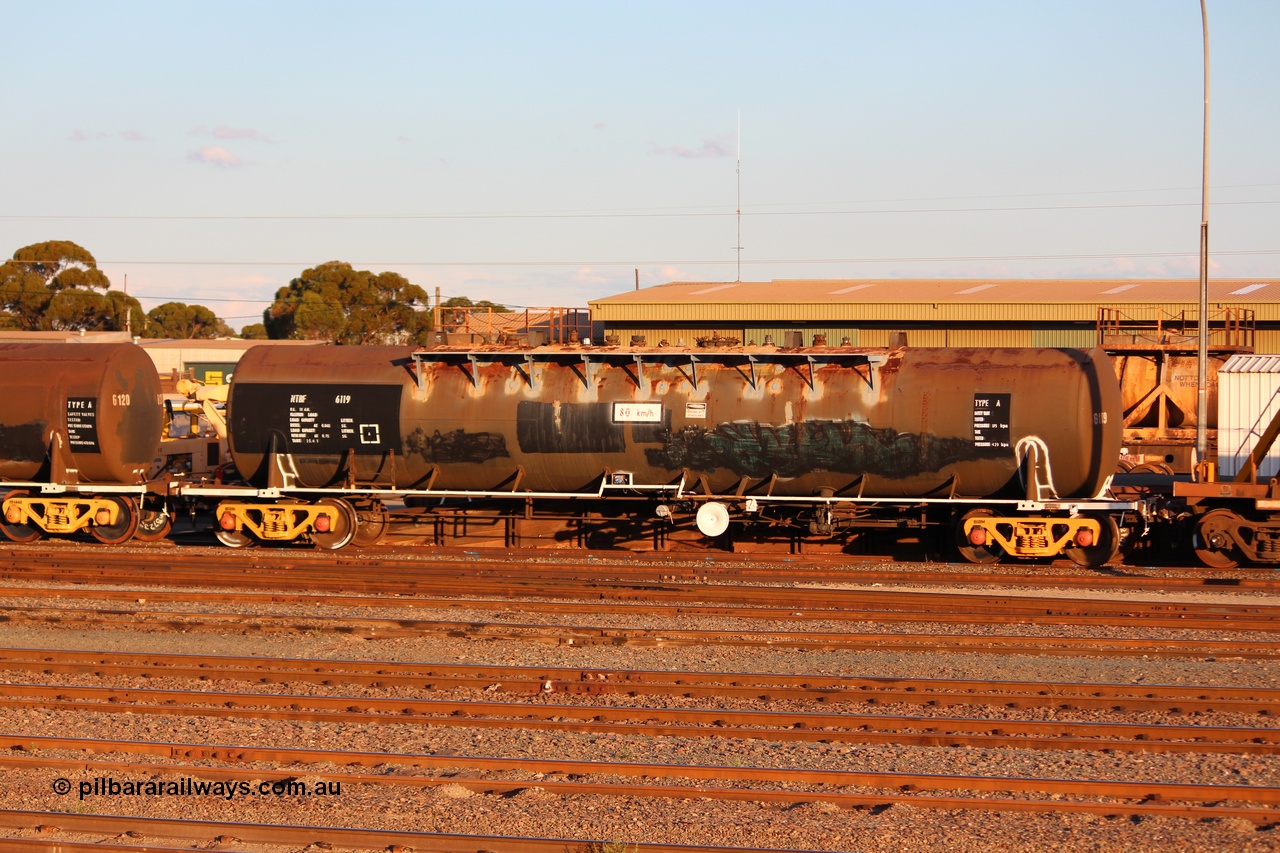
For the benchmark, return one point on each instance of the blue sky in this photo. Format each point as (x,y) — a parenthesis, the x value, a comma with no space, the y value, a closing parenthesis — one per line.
(538,153)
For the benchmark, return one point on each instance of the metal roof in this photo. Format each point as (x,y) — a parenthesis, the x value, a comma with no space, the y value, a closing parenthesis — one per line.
(901,290)
(925,300)
(72,337)
(1251,363)
(231,344)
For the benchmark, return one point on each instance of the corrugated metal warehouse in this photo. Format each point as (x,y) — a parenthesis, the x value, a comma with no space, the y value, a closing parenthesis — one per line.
(935,312)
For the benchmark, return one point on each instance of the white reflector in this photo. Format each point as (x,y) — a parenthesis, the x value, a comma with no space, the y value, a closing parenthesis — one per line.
(713,519)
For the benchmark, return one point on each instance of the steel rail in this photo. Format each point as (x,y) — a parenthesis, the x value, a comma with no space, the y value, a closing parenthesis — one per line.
(606,635)
(547,680)
(36,845)
(650,566)
(862,605)
(299,836)
(372,839)
(296,758)
(781,726)
(846,799)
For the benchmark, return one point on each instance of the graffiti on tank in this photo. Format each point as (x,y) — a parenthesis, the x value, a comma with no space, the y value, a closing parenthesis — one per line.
(791,450)
(456,446)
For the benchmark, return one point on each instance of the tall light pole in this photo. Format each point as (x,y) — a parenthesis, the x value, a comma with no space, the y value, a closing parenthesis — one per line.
(1202,359)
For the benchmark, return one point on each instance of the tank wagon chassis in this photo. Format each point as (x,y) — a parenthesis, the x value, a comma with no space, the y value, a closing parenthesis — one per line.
(1089,532)
(1233,523)
(111,514)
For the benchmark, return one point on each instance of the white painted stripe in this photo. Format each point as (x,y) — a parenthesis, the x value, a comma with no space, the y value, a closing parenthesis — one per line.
(1249,289)
(850,289)
(976,289)
(1121,289)
(713,289)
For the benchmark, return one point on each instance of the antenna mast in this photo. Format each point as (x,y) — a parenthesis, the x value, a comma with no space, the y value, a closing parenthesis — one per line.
(739,211)
(1202,350)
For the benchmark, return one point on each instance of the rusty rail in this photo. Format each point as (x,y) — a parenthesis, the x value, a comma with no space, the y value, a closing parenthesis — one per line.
(585,635)
(208,566)
(536,769)
(781,726)
(311,837)
(773,602)
(550,680)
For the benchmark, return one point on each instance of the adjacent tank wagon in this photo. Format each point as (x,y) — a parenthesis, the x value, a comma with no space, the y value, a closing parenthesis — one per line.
(1011,449)
(79,429)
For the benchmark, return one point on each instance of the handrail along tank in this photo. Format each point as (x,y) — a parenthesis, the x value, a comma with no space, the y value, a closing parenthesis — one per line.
(899,423)
(102,400)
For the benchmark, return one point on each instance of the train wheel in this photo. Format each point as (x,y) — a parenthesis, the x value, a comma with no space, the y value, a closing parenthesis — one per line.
(981,553)
(235,538)
(124,528)
(154,523)
(1101,552)
(1213,543)
(372,523)
(19,532)
(342,531)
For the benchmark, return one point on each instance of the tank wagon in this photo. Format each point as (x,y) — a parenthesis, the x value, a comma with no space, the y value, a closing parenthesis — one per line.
(1006,450)
(79,428)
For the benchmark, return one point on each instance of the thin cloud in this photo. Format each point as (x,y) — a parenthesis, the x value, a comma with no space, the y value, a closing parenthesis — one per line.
(710,148)
(216,155)
(236,133)
(80,135)
(589,276)
(1141,268)
(227,132)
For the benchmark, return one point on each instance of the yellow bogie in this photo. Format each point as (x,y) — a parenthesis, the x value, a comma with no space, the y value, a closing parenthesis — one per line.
(278,522)
(61,515)
(1034,537)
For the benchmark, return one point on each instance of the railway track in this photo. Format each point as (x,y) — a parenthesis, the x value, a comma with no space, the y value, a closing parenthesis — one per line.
(793,784)
(785,726)
(118,833)
(682,714)
(366,569)
(557,680)
(586,635)
(757,601)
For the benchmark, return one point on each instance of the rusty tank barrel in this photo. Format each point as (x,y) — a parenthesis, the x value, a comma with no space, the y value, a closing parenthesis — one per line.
(96,407)
(784,422)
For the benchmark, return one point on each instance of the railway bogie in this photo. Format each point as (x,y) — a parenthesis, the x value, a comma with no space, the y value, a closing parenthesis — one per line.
(329,523)
(1224,537)
(1233,522)
(1091,539)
